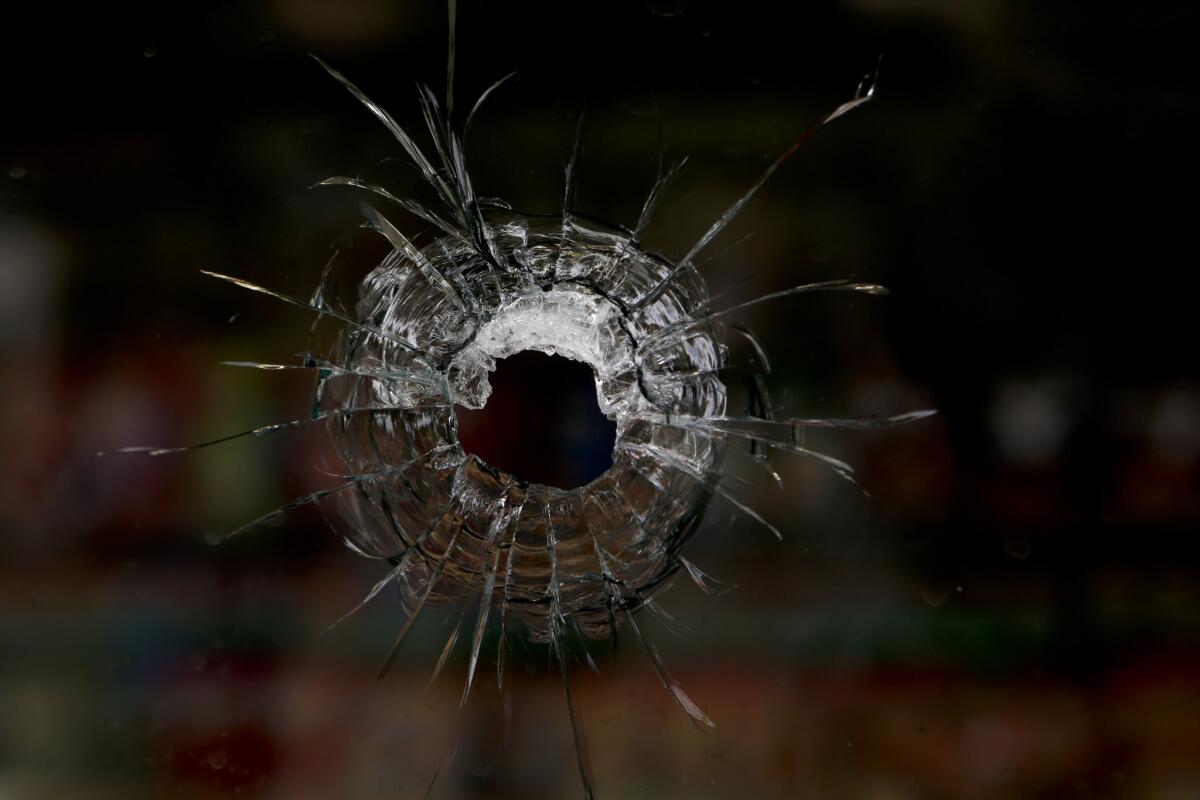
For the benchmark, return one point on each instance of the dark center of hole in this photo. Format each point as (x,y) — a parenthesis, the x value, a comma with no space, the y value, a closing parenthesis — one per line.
(541,423)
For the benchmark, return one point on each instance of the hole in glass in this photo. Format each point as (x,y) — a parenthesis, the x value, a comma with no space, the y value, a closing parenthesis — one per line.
(541,423)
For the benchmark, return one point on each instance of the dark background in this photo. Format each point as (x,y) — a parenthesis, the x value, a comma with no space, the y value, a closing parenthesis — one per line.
(1014,612)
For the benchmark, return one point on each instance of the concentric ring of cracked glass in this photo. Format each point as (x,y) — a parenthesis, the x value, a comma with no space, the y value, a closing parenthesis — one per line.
(454,526)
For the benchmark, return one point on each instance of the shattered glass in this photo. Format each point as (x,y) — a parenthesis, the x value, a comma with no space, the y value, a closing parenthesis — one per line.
(430,324)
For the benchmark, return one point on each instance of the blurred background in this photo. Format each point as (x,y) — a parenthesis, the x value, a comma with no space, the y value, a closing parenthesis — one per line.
(1013,612)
